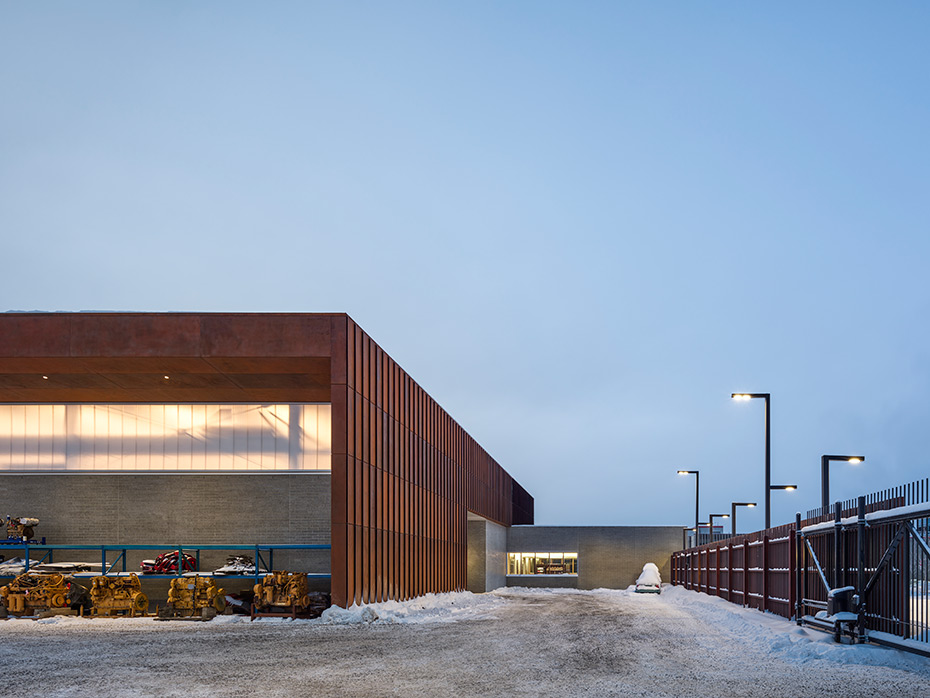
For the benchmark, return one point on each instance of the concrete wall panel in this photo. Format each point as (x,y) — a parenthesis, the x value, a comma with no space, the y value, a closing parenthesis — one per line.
(608,556)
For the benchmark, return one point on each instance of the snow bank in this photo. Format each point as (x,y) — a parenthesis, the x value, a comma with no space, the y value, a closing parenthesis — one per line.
(431,608)
(780,637)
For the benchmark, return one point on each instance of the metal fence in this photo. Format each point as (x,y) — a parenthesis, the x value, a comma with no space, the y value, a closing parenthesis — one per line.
(861,572)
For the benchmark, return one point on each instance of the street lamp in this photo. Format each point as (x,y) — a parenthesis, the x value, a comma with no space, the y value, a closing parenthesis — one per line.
(697,500)
(711,518)
(733,506)
(768,448)
(825,475)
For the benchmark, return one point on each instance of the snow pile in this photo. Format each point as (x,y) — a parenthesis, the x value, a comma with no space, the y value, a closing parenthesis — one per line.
(650,576)
(777,636)
(431,608)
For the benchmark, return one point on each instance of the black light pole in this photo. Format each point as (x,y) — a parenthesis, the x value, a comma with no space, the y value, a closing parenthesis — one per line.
(768,448)
(711,519)
(825,475)
(697,499)
(733,506)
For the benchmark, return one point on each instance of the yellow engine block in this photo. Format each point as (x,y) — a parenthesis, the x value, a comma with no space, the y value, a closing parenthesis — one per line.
(193,595)
(32,591)
(121,595)
(282,590)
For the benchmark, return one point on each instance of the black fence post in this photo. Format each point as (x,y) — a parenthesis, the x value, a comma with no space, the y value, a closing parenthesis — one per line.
(860,574)
(837,547)
(798,559)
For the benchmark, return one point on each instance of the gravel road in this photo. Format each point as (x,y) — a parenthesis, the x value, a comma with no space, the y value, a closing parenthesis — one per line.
(525,644)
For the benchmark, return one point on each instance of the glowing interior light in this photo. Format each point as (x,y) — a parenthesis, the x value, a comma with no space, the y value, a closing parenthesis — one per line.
(166,378)
(45,377)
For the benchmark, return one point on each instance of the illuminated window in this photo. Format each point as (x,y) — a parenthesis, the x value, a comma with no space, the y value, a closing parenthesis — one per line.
(177,437)
(542,563)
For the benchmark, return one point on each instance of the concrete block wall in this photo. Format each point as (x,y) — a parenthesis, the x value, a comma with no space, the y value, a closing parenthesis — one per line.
(160,508)
(608,556)
(487,556)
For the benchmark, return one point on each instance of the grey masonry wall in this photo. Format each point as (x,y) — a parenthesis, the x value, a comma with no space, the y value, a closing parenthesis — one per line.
(608,556)
(487,556)
(159,508)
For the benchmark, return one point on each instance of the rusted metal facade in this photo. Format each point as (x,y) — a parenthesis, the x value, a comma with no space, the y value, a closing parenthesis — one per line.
(404,476)
(404,473)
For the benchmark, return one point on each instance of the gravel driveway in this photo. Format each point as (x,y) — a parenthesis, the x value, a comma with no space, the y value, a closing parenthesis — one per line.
(525,643)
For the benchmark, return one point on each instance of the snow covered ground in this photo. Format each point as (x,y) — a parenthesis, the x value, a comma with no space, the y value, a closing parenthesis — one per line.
(512,642)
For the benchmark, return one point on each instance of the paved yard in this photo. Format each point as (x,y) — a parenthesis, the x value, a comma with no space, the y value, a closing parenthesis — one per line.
(514,643)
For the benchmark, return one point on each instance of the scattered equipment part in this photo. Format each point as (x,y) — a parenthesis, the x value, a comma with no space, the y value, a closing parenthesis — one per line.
(31,592)
(20,529)
(649,581)
(239,564)
(121,595)
(281,594)
(193,598)
(167,563)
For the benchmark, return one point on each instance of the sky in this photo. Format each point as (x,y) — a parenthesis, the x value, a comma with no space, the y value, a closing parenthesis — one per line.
(579,226)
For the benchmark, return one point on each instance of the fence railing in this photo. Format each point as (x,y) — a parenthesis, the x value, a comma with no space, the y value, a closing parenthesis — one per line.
(864,573)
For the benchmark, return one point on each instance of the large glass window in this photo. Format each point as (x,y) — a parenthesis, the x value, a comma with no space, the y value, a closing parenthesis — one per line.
(542,563)
(177,437)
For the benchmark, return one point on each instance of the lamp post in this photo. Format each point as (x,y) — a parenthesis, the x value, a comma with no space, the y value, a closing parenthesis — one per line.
(711,518)
(697,539)
(825,475)
(697,499)
(768,448)
(733,506)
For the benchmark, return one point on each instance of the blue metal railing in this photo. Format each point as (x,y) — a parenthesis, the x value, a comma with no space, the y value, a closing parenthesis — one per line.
(106,568)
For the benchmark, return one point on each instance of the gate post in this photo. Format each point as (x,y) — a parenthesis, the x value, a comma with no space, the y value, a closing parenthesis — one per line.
(837,547)
(860,574)
(798,558)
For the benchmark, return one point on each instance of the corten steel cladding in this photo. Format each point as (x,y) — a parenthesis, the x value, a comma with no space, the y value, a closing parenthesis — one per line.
(30,592)
(121,595)
(404,474)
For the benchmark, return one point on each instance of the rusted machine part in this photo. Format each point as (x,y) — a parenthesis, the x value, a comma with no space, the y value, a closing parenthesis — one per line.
(21,527)
(281,593)
(31,592)
(192,596)
(118,595)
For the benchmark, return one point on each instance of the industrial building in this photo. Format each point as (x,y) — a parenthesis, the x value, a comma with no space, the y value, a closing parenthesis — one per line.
(287,428)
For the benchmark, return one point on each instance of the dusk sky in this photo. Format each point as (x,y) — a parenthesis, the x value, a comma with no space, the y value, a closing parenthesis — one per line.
(579,226)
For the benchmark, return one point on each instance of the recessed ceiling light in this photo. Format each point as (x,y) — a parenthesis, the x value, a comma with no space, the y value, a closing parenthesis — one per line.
(166,377)
(45,377)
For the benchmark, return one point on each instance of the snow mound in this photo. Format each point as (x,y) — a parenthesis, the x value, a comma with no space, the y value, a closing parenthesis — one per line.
(431,608)
(778,636)
(649,576)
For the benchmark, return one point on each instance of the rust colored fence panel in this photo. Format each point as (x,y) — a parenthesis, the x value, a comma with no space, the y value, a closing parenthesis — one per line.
(881,549)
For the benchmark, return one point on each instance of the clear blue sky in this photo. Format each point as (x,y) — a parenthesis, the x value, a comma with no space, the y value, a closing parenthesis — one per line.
(580,226)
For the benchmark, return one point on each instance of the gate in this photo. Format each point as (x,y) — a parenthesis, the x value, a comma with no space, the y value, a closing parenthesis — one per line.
(864,575)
